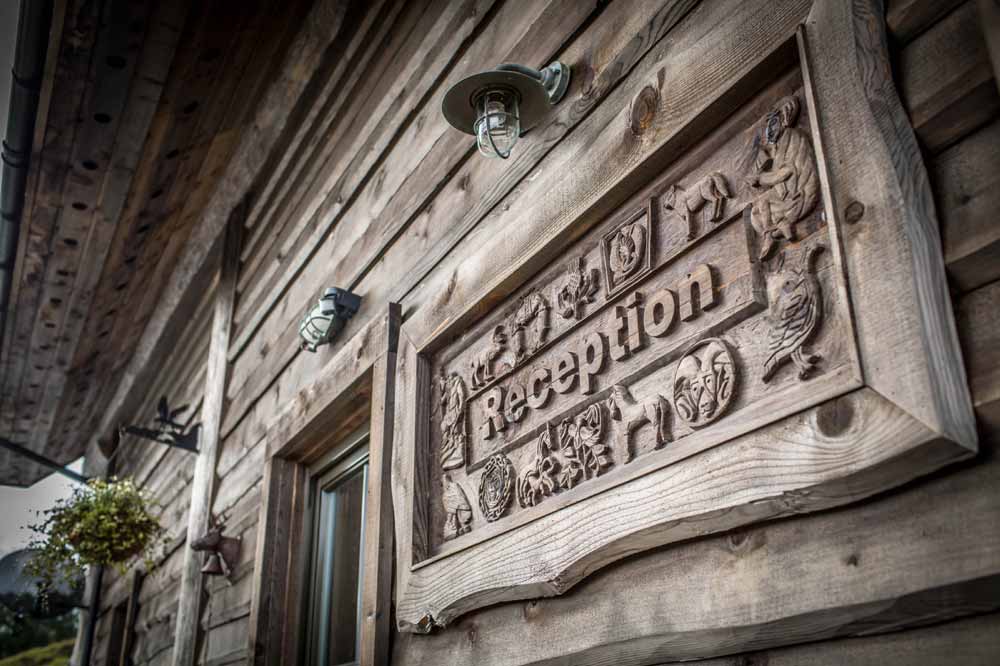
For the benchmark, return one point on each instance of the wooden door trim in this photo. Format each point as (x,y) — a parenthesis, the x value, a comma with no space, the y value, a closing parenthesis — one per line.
(309,425)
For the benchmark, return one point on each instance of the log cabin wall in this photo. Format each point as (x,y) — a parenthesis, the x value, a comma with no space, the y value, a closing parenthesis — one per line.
(370,190)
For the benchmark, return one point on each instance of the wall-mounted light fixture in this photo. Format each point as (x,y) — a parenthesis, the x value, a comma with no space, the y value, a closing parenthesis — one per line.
(498,105)
(327,318)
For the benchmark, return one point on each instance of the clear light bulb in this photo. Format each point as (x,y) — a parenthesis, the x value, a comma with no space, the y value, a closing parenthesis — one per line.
(497,123)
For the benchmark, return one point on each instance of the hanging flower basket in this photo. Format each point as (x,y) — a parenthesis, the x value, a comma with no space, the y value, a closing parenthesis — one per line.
(105,523)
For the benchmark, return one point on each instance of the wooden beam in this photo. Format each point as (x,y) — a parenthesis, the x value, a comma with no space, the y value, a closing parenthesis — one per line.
(304,58)
(989,16)
(203,485)
(908,18)
(946,81)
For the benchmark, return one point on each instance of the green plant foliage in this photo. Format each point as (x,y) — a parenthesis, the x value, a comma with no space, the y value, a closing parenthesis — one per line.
(18,635)
(56,654)
(105,523)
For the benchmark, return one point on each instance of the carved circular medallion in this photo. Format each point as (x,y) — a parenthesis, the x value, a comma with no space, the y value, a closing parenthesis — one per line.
(704,383)
(496,486)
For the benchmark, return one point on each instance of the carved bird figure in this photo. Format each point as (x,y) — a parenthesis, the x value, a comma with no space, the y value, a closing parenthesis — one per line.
(795,314)
(457,510)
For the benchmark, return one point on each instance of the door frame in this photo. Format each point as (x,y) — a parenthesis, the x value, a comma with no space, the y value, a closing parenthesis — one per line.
(355,389)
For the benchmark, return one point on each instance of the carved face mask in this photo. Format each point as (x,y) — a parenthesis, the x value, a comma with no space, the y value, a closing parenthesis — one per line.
(772,131)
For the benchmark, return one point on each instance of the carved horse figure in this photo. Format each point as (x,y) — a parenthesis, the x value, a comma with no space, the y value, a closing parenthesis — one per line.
(633,415)
(482,363)
(712,189)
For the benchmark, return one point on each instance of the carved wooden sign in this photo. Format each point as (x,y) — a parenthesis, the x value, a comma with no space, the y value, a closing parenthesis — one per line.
(700,358)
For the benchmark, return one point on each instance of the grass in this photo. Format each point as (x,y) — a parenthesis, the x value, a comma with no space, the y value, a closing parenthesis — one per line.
(54,654)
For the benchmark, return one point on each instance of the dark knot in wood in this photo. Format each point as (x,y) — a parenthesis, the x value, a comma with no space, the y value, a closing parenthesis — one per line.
(643,110)
(854,212)
(834,417)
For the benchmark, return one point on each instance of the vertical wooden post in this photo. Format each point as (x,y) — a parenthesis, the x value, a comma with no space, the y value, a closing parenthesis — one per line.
(379,547)
(203,484)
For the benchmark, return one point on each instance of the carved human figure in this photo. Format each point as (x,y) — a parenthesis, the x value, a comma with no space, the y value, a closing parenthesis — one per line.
(633,415)
(783,175)
(704,382)
(453,420)
(531,326)
(578,289)
(457,510)
(712,189)
(795,313)
(482,363)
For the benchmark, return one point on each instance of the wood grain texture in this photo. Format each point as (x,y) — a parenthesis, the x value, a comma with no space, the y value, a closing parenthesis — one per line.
(909,329)
(377,562)
(910,558)
(978,316)
(947,81)
(432,152)
(247,161)
(204,481)
(966,179)
(868,148)
(906,19)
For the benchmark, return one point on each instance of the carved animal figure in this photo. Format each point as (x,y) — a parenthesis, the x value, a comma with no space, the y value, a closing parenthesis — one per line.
(539,480)
(578,289)
(713,189)
(457,510)
(795,314)
(784,170)
(633,415)
(222,552)
(482,364)
(704,382)
(531,325)
(453,418)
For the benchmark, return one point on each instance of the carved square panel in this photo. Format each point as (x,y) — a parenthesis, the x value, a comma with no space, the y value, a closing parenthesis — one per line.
(748,356)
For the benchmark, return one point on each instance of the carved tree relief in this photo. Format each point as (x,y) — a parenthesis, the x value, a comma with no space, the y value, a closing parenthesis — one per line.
(531,326)
(482,364)
(453,421)
(704,383)
(783,176)
(632,415)
(457,510)
(496,486)
(795,314)
(578,289)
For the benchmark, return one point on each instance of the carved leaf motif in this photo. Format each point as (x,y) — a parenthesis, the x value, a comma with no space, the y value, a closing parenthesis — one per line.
(578,289)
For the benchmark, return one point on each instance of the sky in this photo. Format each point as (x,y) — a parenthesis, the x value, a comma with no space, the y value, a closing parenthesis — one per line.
(18,506)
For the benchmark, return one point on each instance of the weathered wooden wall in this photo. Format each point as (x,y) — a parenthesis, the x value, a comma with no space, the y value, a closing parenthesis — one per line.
(371,190)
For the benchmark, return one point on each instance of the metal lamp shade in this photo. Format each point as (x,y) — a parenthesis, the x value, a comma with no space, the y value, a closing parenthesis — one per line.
(459,105)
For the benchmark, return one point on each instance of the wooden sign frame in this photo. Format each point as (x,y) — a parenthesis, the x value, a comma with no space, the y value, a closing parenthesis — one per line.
(896,406)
